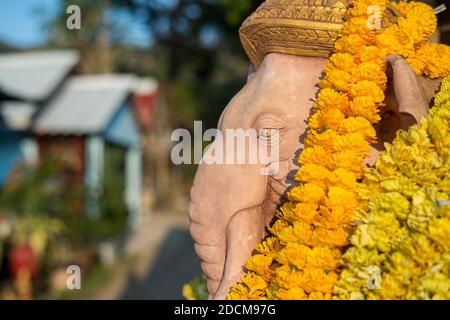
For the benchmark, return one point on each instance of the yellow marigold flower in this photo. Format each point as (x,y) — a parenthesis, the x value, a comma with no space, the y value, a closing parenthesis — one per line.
(341,61)
(363,257)
(260,265)
(406,231)
(269,247)
(337,79)
(313,173)
(307,192)
(331,99)
(324,120)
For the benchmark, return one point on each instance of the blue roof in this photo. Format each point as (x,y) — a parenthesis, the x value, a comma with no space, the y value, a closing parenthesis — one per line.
(85,105)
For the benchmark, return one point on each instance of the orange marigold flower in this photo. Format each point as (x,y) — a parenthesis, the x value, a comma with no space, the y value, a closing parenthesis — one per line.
(307,192)
(319,296)
(341,61)
(294,254)
(299,232)
(287,278)
(338,79)
(260,264)
(372,54)
(316,155)
(348,160)
(318,280)
(352,44)
(298,211)
(419,22)
(330,237)
(324,258)
(343,178)
(324,120)
(331,99)
(366,88)
(334,218)
(396,41)
(239,292)
(365,107)
(313,173)
(269,247)
(352,141)
(324,139)
(278,226)
(277,293)
(338,197)
(256,284)
(359,26)
(372,72)
(358,125)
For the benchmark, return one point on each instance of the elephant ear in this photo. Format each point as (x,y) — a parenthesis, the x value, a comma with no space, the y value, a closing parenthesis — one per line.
(408,98)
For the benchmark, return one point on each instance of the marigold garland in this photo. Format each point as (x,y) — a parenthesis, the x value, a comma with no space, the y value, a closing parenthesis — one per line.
(401,249)
(301,257)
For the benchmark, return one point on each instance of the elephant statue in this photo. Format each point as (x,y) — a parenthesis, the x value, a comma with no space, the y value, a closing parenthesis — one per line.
(231,205)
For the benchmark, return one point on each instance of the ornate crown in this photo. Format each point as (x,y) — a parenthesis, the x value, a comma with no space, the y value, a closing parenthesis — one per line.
(299,27)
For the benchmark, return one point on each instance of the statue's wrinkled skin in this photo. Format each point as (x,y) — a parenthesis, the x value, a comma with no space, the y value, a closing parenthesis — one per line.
(232,204)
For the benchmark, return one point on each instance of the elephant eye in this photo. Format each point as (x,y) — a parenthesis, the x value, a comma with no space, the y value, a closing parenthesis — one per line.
(269,136)
(270,128)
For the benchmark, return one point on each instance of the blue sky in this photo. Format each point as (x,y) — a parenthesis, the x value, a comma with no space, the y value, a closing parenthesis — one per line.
(21,23)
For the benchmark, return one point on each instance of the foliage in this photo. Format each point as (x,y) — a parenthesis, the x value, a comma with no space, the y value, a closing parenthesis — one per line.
(196,289)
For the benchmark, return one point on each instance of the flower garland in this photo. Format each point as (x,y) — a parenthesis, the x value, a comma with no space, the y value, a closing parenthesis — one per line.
(403,244)
(301,258)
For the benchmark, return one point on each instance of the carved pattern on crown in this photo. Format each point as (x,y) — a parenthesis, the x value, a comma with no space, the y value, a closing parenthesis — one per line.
(299,27)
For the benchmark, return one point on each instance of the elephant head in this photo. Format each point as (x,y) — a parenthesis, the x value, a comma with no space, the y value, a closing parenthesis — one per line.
(232,204)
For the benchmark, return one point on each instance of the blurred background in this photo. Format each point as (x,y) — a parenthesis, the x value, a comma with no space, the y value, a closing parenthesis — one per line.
(85,122)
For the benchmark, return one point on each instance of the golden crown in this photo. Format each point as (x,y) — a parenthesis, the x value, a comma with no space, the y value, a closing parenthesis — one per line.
(298,27)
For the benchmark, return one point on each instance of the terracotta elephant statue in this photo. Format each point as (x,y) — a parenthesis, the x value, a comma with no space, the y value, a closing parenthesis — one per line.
(231,205)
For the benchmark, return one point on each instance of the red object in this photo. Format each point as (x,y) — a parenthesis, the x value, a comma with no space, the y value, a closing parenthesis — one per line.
(23,258)
(144,103)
